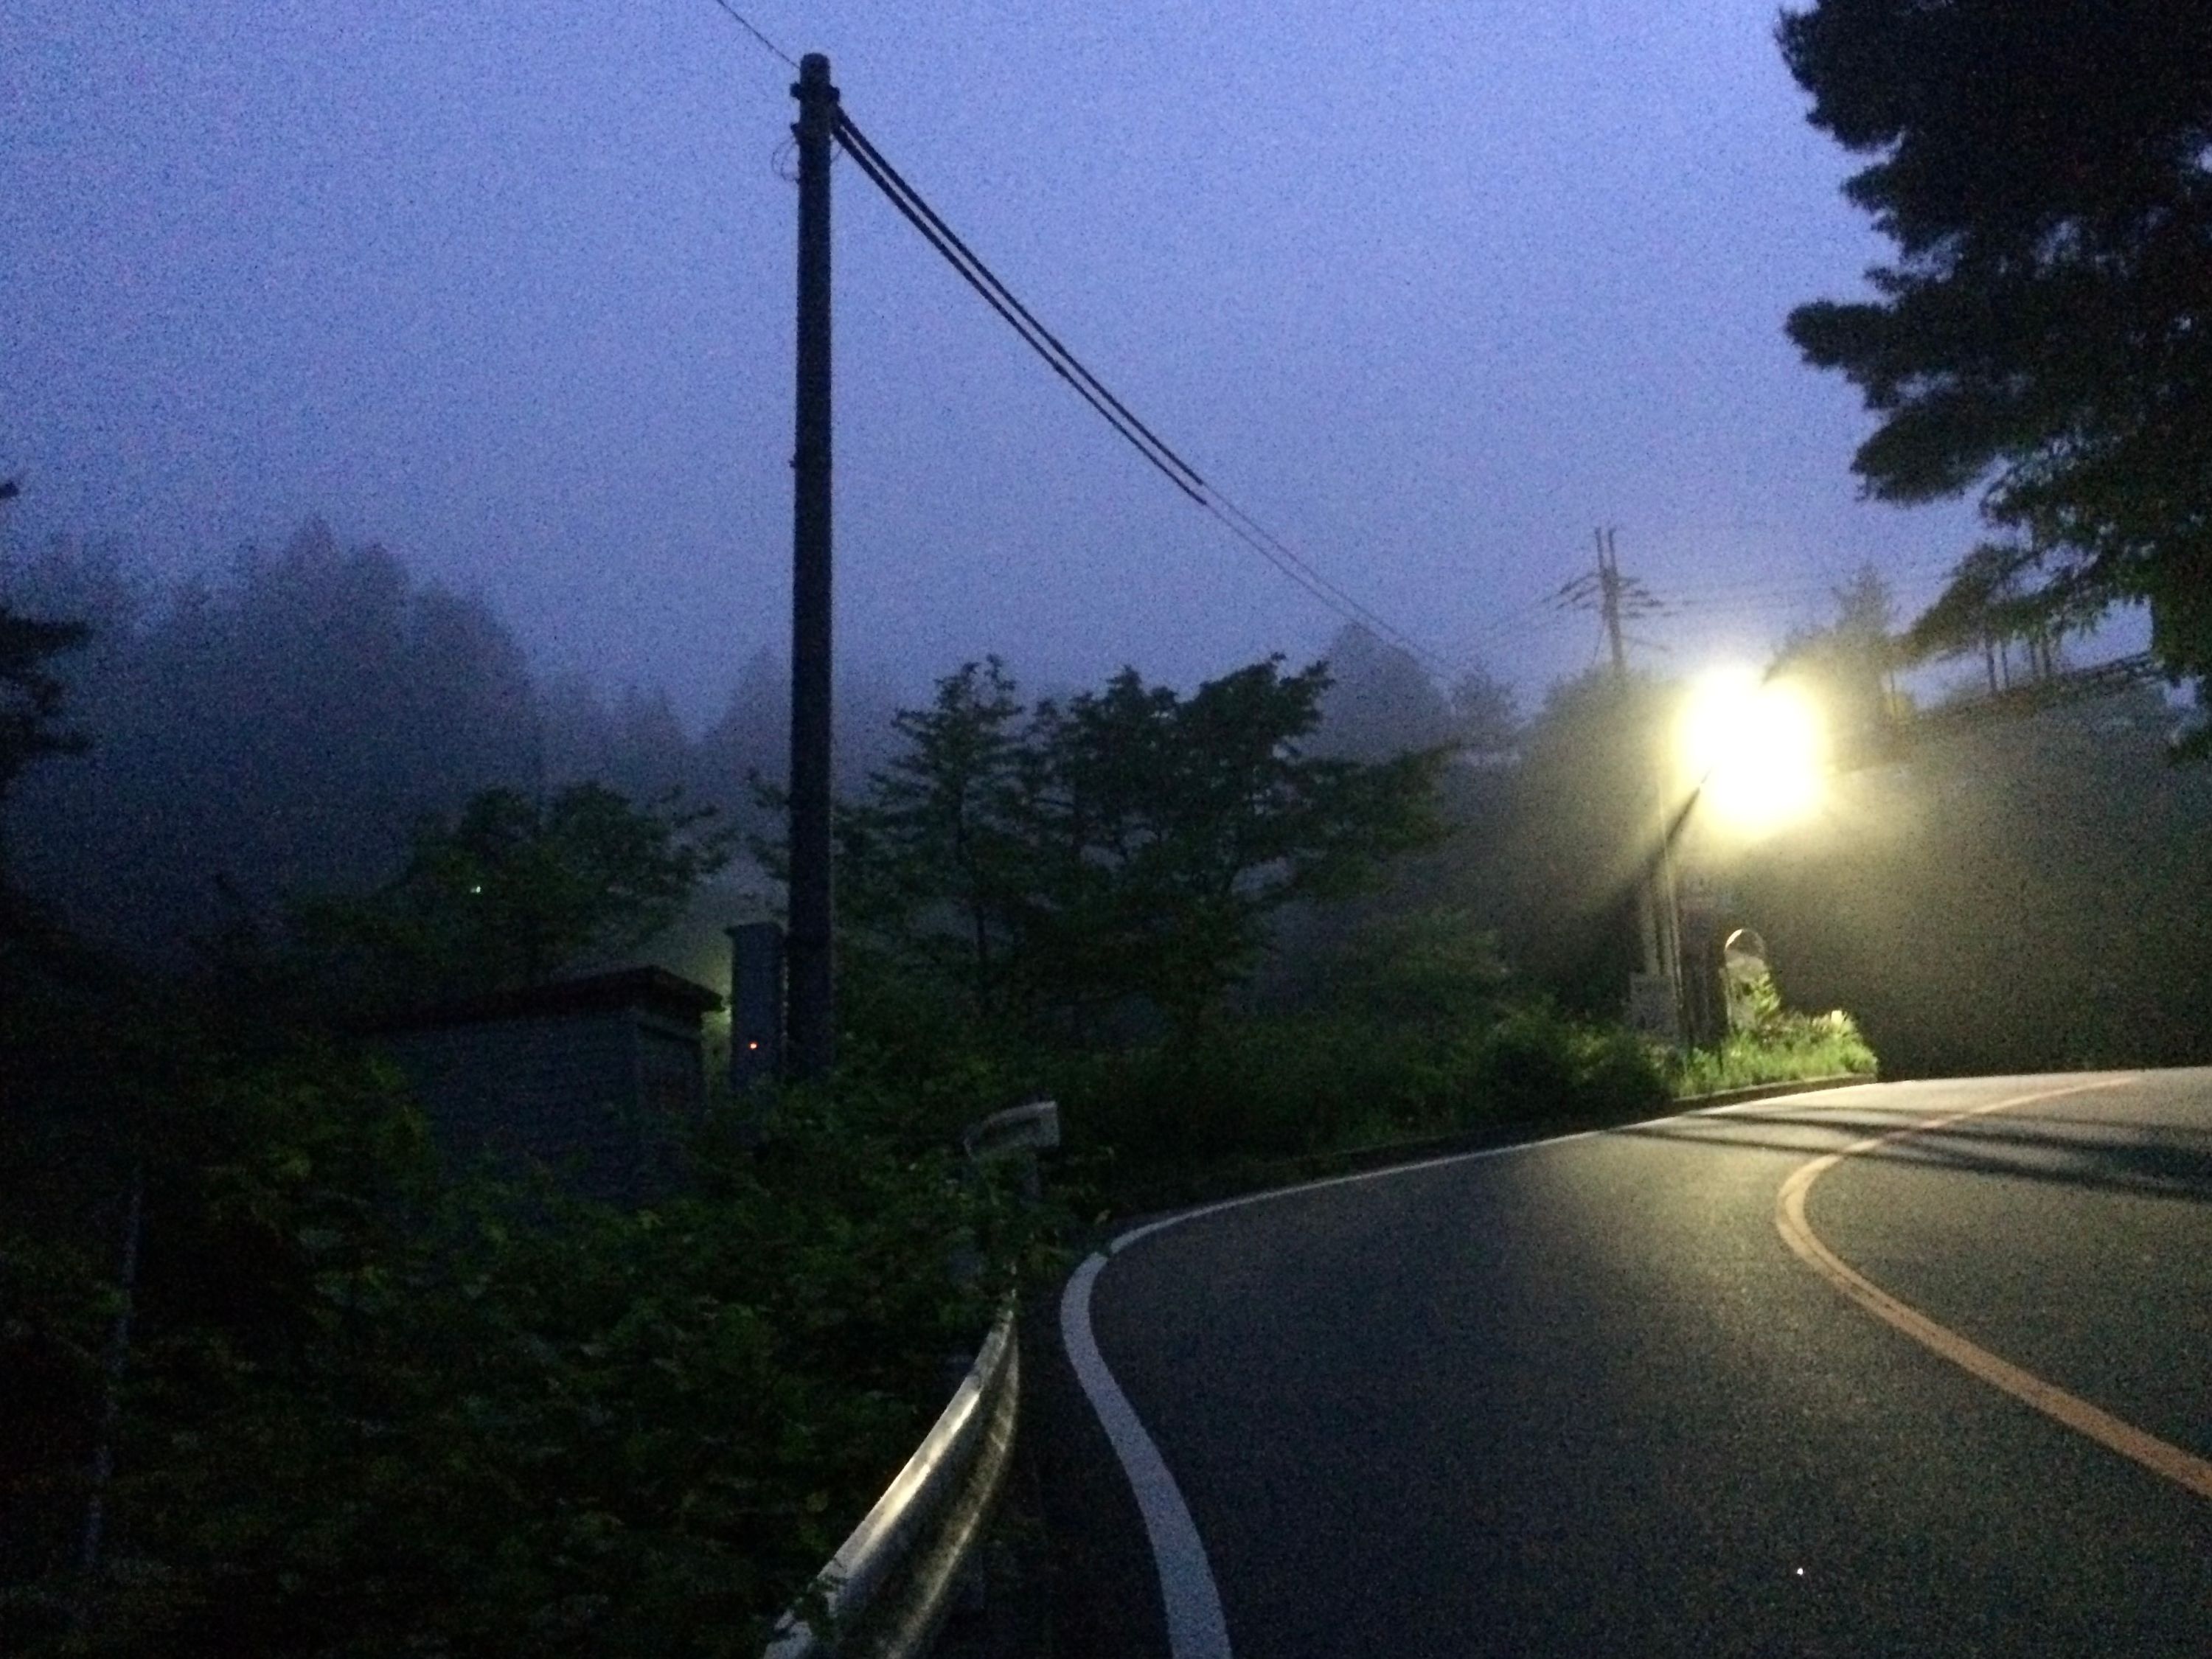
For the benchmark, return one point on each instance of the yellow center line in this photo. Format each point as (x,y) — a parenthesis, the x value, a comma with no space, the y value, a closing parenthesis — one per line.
(2160,1457)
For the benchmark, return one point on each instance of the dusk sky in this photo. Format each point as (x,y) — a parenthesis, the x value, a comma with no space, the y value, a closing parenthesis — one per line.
(1430,290)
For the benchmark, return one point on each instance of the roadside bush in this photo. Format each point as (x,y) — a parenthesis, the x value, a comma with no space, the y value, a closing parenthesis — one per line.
(1252,1088)
(1536,1063)
(368,1412)
(1785,1047)
(1283,1087)
(1436,969)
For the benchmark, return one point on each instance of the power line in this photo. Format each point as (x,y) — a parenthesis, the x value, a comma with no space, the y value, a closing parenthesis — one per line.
(1070,369)
(745,23)
(979,277)
(1542,611)
(933,229)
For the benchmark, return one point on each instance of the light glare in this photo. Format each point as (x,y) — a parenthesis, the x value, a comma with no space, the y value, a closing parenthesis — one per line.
(1754,748)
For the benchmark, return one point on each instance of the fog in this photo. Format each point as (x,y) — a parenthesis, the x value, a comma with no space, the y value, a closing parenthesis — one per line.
(1430,290)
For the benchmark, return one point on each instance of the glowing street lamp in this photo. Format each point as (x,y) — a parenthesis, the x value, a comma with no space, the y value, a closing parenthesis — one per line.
(1756,750)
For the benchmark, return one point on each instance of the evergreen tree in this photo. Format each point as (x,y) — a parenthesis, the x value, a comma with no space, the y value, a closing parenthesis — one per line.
(1119,847)
(31,694)
(513,891)
(1847,664)
(281,731)
(1380,702)
(2045,170)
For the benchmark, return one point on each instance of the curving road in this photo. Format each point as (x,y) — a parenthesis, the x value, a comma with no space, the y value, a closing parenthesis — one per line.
(1698,1387)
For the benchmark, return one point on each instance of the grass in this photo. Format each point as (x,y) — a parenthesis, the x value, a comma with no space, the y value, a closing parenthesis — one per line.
(1789,1048)
(1269,1103)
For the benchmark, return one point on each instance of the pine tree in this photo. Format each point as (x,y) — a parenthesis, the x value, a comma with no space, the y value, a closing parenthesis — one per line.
(2045,170)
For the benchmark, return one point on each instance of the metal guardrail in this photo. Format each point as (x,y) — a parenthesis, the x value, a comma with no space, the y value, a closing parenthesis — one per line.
(891,1583)
(888,1588)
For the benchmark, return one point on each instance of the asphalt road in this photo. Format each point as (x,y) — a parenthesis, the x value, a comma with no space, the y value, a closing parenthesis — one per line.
(1586,1398)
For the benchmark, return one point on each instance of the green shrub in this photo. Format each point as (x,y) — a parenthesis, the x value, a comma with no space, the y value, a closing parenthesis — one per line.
(1784,1047)
(367,1414)
(1437,970)
(1253,1088)
(1536,1063)
(1277,1088)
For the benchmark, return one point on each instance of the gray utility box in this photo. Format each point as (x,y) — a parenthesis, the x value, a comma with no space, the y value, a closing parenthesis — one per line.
(596,1079)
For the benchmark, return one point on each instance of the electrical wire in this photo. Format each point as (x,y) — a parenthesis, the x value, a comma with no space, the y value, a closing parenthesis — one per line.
(893,184)
(1695,591)
(1070,369)
(1712,597)
(1256,536)
(978,278)
(1532,613)
(745,23)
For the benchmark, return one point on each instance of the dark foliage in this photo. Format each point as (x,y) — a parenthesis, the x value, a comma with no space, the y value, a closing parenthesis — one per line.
(280,734)
(367,1408)
(2045,170)
(285,730)
(1119,848)
(31,694)
(509,893)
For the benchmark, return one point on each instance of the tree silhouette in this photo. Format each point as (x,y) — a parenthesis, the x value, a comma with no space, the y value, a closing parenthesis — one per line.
(513,891)
(31,694)
(2045,170)
(1119,847)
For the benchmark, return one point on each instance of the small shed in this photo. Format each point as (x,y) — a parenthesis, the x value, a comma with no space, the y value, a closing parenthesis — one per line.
(595,1078)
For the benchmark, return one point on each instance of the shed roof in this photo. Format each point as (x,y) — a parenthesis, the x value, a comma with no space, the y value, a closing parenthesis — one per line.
(654,990)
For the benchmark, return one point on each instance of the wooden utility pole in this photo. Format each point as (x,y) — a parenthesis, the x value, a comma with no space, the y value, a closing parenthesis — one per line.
(1658,926)
(812,1021)
(1608,589)
(1647,927)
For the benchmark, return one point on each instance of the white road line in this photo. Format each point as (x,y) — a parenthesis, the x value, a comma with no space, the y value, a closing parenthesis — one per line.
(1196,1629)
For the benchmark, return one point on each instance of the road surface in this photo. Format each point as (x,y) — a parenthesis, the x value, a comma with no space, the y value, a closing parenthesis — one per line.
(1698,1387)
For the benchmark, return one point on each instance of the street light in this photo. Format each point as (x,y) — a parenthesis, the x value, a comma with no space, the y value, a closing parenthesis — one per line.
(1756,750)
(1752,754)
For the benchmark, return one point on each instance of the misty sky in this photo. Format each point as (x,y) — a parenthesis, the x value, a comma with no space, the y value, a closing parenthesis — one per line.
(1430,289)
